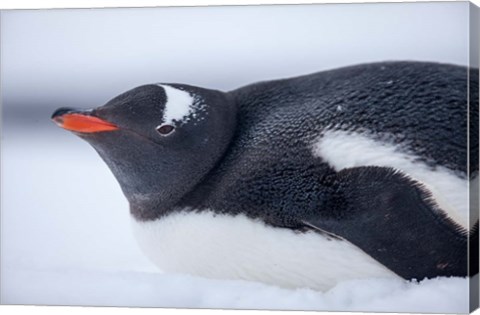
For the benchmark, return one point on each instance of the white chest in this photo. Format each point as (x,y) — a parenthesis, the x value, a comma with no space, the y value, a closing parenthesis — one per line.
(225,247)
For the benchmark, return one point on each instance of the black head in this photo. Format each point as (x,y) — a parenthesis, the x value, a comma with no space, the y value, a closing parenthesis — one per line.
(158,140)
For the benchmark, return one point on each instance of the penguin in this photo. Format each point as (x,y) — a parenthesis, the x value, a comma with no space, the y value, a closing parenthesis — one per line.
(357,172)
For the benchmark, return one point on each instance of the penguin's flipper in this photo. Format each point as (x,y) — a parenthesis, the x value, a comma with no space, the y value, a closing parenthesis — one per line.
(394,219)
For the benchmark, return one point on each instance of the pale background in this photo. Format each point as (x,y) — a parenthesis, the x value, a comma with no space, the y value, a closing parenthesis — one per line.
(57,216)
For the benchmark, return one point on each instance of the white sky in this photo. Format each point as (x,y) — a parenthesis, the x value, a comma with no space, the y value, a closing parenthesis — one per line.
(91,55)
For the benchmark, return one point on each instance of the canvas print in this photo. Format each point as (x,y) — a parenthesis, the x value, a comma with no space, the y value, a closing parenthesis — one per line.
(293,157)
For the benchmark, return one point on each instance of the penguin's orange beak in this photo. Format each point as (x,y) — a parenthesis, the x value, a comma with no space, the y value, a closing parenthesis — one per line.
(80,122)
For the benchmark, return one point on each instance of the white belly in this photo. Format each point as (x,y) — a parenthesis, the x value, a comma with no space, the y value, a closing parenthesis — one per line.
(226,247)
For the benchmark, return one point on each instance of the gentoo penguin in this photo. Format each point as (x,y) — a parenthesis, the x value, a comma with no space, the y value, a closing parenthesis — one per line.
(303,182)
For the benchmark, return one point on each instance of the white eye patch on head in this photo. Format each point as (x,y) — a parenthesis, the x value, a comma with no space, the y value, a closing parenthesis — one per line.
(179,105)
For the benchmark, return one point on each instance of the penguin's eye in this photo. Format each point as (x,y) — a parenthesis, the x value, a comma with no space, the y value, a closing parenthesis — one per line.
(165,130)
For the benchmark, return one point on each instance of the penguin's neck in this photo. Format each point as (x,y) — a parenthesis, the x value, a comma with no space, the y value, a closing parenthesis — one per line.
(146,207)
(152,206)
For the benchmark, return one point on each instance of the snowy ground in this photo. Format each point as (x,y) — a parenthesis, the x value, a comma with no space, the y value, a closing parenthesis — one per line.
(66,241)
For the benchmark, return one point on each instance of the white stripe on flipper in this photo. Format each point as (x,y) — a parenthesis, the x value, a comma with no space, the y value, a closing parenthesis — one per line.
(178,106)
(342,149)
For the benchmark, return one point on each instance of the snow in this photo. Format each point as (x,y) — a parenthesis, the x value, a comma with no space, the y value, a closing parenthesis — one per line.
(65,230)
(142,289)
